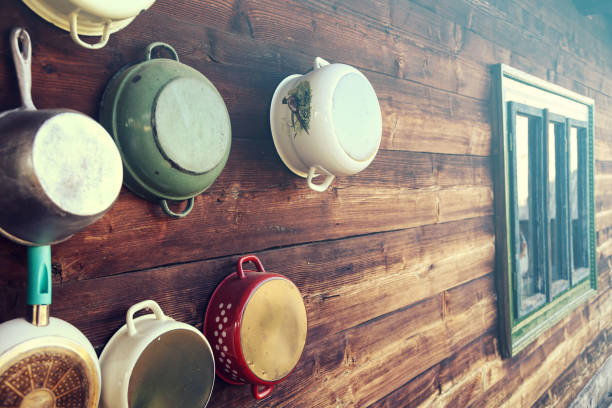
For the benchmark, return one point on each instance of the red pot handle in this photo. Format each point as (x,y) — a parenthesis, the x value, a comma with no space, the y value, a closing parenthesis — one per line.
(253,259)
(265,391)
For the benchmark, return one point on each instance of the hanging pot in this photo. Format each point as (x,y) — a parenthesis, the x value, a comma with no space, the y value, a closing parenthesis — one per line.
(45,362)
(256,322)
(89,17)
(154,361)
(171,126)
(59,168)
(326,122)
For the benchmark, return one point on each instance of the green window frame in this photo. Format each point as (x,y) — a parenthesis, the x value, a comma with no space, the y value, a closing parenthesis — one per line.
(544,204)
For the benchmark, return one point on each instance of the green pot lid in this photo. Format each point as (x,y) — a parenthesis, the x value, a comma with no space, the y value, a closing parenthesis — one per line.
(191,125)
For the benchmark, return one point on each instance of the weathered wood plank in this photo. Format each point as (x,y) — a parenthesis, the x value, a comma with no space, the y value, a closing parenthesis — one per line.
(419,332)
(603,167)
(445,380)
(521,38)
(258,204)
(482,358)
(417,392)
(379,356)
(215,54)
(408,314)
(341,38)
(520,381)
(336,279)
(575,377)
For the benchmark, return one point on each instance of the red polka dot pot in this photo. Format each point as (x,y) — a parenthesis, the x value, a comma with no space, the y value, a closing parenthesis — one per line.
(256,324)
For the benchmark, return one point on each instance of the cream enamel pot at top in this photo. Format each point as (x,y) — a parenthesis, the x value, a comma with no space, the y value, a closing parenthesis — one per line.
(89,17)
(256,323)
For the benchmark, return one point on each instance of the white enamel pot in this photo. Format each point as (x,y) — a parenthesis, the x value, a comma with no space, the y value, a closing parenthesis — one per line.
(89,17)
(326,122)
(154,361)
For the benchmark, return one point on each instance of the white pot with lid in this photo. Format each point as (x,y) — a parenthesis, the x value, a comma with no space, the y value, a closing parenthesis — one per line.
(89,17)
(327,122)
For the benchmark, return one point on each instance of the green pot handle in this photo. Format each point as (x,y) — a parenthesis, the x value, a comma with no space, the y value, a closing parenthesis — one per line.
(39,275)
(168,211)
(152,46)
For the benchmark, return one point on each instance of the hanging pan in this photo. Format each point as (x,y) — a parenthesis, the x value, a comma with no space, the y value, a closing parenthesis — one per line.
(44,361)
(154,361)
(256,322)
(59,169)
(171,126)
(60,172)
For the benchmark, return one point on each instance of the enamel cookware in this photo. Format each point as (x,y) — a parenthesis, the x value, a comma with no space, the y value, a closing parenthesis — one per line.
(171,126)
(44,361)
(326,122)
(256,323)
(59,169)
(154,361)
(89,17)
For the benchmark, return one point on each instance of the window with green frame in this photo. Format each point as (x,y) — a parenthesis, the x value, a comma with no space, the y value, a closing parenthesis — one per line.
(545,224)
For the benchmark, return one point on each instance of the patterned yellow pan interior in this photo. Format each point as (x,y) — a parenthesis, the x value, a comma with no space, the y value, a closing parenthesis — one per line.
(273,330)
(41,376)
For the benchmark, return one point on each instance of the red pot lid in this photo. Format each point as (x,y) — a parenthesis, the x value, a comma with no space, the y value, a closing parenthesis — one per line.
(273,329)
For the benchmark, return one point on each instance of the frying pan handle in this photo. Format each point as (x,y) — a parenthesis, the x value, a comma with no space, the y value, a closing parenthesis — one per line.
(248,258)
(169,212)
(21,46)
(263,393)
(39,275)
(74,33)
(145,304)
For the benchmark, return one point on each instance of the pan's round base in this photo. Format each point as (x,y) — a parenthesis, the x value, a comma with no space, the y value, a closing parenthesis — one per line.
(282,133)
(48,372)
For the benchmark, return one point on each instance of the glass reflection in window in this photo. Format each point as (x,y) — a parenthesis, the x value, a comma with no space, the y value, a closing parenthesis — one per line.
(577,203)
(560,280)
(530,283)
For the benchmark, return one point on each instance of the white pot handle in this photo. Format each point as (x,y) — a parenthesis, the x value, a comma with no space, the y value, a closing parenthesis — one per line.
(75,35)
(320,62)
(145,304)
(312,174)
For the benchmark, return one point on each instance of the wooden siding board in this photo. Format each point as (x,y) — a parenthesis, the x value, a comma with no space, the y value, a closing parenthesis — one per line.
(258,204)
(401,304)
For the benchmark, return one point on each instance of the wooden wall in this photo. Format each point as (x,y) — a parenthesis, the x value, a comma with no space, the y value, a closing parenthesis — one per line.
(396,264)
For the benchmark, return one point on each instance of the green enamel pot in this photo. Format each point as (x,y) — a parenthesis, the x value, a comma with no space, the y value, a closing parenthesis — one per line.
(171,126)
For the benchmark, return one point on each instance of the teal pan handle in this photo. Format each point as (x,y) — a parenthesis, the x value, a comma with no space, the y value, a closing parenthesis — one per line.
(39,275)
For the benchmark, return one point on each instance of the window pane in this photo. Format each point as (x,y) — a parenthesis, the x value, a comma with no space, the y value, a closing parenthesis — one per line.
(577,200)
(529,280)
(560,280)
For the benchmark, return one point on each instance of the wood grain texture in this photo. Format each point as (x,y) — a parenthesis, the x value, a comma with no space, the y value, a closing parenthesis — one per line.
(258,204)
(577,375)
(395,264)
